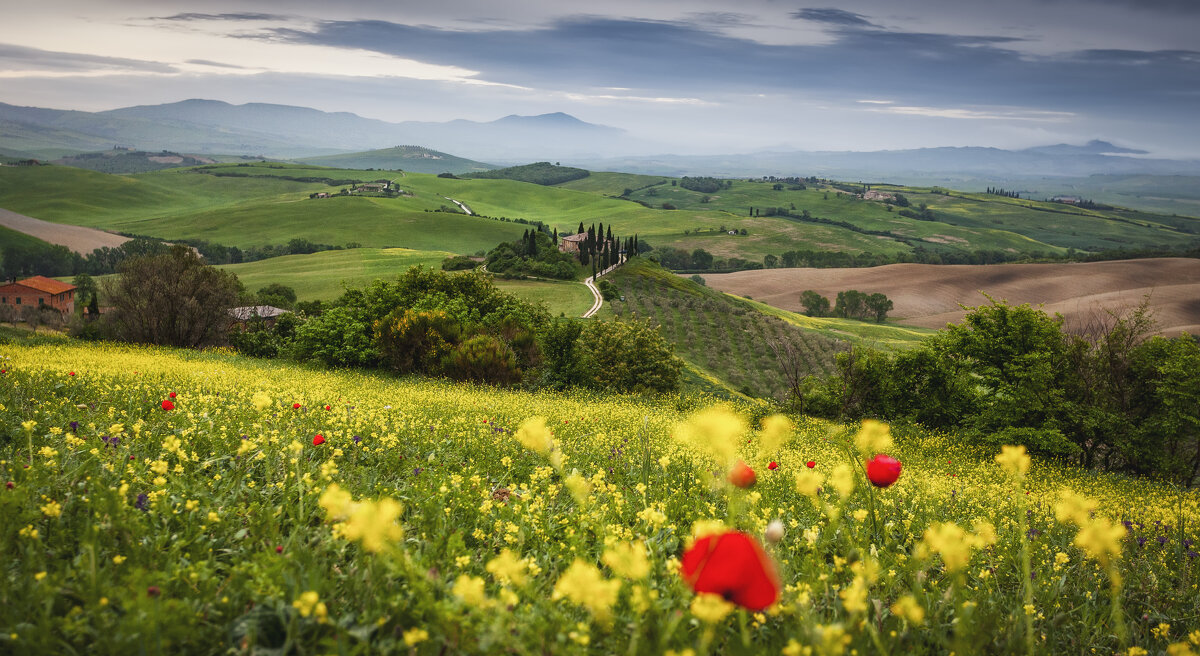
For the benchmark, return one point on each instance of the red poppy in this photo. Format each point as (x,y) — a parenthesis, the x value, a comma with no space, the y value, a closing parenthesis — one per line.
(328,408)
(172,395)
(733,565)
(742,476)
(318,440)
(153,591)
(71,373)
(167,405)
(810,464)
(883,470)
(9,485)
(279,549)
(773,466)
(295,406)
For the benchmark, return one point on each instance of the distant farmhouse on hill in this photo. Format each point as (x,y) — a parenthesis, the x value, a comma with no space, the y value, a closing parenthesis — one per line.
(571,243)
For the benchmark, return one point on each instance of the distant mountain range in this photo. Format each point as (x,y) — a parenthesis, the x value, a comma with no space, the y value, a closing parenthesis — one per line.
(283,131)
(210,127)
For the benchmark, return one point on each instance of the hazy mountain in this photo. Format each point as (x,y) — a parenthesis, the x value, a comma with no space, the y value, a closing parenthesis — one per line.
(211,126)
(1093,147)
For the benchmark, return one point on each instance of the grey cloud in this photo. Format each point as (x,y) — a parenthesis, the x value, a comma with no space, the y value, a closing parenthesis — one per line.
(833,17)
(206,62)
(15,57)
(243,16)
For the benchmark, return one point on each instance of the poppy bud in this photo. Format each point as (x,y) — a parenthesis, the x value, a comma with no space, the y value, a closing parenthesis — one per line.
(774,532)
(883,470)
(742,476)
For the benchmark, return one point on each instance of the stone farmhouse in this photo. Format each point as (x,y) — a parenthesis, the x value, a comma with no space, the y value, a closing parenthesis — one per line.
(572,243)
(39,291)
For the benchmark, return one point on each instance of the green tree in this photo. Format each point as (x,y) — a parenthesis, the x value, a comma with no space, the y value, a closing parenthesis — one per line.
(621,356)
(277,295)
(814,304)
(173,299)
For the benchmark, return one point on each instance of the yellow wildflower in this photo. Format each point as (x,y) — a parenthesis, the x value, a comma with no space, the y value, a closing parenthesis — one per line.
(1180,649)
(1101,539)
(950,541)
(710,608)
(413,637)
(534,435)
(808,482)
(1014,460)
(874,437)
(854,596)
(39,576)
(842,480)
(374,525)
(309,603)
(584,585)
(52,509)
(261,401)
(628,560)
(910,609)
(507,568)
(1075,508)
(775,429)
(469,590)
(717,430)
(337,502)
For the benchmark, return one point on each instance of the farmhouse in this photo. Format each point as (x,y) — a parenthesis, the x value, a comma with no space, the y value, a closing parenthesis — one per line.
(572,243)
(39,291)
(370,187)
(268,313)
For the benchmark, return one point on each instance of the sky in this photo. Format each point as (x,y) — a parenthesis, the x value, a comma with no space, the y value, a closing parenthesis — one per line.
(688,76)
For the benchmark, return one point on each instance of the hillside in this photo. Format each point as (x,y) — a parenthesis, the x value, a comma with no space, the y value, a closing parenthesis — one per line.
(131,161)
(415,159)
(929,295)
(247,515)
(730,340)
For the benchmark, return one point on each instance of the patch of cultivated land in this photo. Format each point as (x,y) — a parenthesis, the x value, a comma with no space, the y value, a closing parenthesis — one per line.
(76,238)
(929,295)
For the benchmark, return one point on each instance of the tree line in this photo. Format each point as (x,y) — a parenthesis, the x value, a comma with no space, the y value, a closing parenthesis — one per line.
(1107,395)
(850,304)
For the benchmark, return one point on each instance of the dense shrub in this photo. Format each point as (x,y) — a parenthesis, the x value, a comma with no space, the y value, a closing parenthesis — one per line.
(484,359)
(415,341)
(627,356)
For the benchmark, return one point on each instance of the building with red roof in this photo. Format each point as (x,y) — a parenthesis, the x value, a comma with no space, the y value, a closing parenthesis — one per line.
(39,291)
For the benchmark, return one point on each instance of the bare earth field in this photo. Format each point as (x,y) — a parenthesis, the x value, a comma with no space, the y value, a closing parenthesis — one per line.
(929,295)
(77,238)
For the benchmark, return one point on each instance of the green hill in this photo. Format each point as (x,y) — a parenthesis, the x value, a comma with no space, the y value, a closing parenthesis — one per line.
(542,173)
(415,159)
(127,161)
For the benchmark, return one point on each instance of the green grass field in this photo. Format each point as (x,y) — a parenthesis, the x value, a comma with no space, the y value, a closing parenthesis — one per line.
(247,211)
(324,276)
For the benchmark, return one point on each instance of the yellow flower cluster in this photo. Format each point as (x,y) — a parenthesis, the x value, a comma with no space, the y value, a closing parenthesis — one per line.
(371,523)
(584,585)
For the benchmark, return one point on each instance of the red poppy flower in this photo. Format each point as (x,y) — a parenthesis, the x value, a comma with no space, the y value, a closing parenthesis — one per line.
(742,476)
(810,464)
(883,470)
(167,405)
(773,466)
(733,565)
(318,440)
(295,406)
(153,591)
(328,408)
(71,373)
(279,549)
(9,485)
(172,395)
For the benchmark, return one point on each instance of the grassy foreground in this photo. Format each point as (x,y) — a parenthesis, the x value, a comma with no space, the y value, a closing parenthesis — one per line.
(223,525)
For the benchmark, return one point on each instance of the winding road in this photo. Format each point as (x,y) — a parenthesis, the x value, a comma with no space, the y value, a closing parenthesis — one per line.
(591,285)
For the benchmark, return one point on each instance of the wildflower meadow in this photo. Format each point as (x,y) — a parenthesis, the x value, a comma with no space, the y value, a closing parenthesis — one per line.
(165,501)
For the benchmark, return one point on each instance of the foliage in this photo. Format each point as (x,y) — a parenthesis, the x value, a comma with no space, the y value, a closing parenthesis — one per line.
(483,359)
(534,254)
(171,299)
(814,304)
(338,337)
(853,304)
(415,341)
(542,173)
(277,295)
(459,263)
(627,356)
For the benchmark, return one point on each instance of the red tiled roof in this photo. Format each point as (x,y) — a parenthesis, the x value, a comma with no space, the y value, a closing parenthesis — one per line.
(48,285)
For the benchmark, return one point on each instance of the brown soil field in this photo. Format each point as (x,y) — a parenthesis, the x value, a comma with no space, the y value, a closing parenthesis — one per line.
(77,238)
(929,295)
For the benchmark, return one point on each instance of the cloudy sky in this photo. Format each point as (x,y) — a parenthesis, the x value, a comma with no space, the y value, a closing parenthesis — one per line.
(692,75)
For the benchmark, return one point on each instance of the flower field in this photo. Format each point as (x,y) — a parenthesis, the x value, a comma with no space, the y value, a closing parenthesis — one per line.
(160,501)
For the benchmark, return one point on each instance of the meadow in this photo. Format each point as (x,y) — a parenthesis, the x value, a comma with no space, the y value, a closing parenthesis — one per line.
(246,205)
(166,501)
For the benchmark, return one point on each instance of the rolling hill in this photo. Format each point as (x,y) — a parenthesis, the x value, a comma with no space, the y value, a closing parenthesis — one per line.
(414,159)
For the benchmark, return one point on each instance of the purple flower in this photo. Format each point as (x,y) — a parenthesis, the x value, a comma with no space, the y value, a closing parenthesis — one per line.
(143,502)
(416,471)
(1162,540)
(356,439)
(74,426)
(1141,542)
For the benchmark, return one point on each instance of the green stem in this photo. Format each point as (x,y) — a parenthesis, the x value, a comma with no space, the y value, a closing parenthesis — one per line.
(1026,572)
(1118,613)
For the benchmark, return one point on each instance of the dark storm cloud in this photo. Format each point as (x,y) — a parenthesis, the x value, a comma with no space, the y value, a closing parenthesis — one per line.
(244,16)
(833,17)
(680,57)
(14,57)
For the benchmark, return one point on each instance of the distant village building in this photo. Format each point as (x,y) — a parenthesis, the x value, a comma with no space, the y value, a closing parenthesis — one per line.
(572,243)
(877,195)
(246,314)
(1070,200)
(371,187)
(39,291)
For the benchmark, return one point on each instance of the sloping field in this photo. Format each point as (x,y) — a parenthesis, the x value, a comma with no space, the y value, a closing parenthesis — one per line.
(929,295)
(76,238)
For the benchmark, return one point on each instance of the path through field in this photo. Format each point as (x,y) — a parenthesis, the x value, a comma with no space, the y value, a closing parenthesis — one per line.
(929,295)
(77,238)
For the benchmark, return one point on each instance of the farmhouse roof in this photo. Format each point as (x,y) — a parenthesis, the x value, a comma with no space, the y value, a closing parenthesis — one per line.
(248,312)
(47,285)
(579,237)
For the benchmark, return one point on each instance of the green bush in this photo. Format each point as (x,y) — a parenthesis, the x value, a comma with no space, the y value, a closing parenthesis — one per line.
(627,356)
(484,359)
(415,341)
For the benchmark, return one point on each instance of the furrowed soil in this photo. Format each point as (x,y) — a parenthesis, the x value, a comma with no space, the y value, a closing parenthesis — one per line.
(929,295)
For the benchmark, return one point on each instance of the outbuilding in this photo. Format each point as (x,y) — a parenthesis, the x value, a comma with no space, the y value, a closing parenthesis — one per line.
(39,291)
